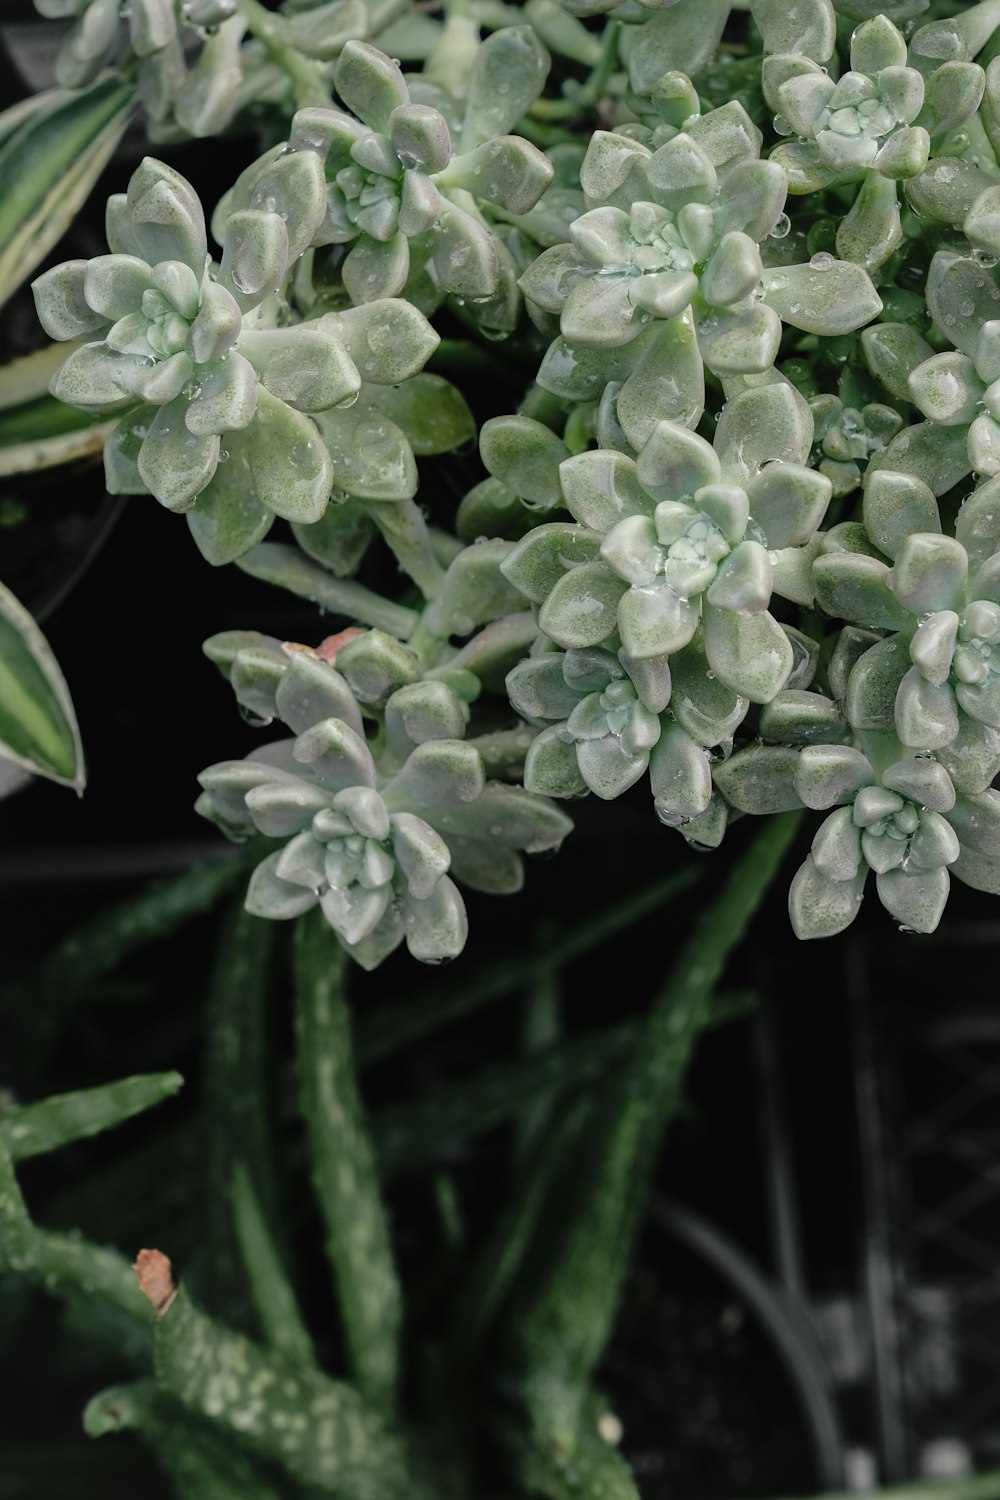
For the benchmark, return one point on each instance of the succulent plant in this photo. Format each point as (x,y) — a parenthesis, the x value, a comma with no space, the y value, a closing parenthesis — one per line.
(688,535)
(862,121)
(669,564)
(375,824)
(153,27)
(393,178)
(193,356)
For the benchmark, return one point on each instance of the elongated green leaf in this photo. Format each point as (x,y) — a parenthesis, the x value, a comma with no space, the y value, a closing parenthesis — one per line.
(243,1223)
(23,380)
(272,1292)
(67,1266)
(48,167)
(344,1171)
(32,108)
(35,1128)
(200,1462)
(38,728)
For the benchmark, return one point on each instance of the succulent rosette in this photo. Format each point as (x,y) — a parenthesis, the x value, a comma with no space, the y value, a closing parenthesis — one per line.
(848,437)
(895,823)
(189,354)
(688,536)
(957,390)
(940,596)
(373,826)
(153,30)
(861,121)
(394,180)
(669,252)
(663,230)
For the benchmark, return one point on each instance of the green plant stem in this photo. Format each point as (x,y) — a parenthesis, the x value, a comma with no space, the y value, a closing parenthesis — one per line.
(541,1028)
(288,568)
(199,1463)
(592,90)
(36,1128)
(344,1170)
(398,1026)
(72,1269)
(243,1210)
(308,83)
(236,1061)
(319,1430)
(491,1274)
(403,527)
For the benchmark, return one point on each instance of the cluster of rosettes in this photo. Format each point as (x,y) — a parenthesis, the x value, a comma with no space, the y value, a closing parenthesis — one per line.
(638,595)
(654,605)
(374,818)
(659,649)
(663,275)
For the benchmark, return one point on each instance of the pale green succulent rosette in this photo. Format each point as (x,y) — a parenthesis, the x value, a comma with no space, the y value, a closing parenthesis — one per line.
(604,724)
(217,401)
(862,121)
(666,231)
(687,536)
(598,732)
(374,827)
(187,56)
(932,682)
(848,437)
(873,126)
(962,391)
(663,275)
(908,815)
(398,195)
(896,822)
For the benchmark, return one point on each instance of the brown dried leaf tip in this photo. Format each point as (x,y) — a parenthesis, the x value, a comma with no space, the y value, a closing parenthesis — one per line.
(155,1279)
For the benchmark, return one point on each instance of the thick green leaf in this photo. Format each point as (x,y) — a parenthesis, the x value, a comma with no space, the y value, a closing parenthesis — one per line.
(38,728)
(47,170)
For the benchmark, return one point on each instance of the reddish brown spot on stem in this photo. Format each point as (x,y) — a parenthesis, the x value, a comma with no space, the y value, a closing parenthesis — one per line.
(155,1279)
(328,648)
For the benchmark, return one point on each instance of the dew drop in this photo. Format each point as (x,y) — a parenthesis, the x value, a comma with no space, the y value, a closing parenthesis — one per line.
(254,719)
(782,225)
